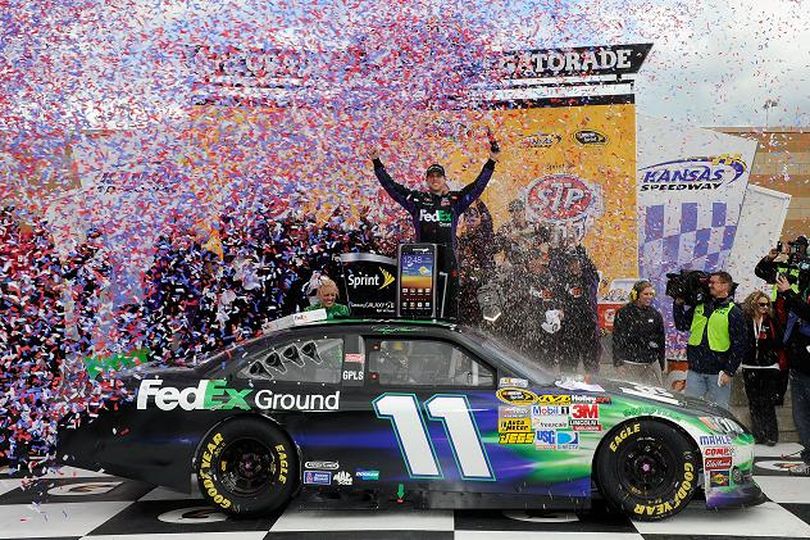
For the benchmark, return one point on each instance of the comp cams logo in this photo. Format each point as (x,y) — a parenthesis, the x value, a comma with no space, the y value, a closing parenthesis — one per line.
(692,174)
(381,280)
(215,395)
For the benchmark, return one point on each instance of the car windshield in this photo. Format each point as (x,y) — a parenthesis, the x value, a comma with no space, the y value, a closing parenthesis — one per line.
(509,356)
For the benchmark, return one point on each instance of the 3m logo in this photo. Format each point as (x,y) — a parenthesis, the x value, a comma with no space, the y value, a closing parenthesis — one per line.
(583,410)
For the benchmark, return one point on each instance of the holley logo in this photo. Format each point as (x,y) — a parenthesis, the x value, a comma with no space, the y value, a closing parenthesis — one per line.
(439,216)
(697,173)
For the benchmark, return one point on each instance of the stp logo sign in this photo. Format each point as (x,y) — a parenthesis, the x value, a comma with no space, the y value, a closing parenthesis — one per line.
(584,410)
(562,198)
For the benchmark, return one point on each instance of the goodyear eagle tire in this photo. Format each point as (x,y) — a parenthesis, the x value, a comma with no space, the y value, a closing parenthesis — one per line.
(246,467)
(647,470)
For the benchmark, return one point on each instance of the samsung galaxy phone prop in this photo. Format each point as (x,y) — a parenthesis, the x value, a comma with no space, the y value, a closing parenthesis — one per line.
(416,291)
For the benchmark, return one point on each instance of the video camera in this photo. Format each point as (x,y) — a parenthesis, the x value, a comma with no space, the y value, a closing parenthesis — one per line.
(690,285)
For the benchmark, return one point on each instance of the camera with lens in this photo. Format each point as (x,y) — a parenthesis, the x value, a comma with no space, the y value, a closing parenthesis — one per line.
(690,285)
(793,265)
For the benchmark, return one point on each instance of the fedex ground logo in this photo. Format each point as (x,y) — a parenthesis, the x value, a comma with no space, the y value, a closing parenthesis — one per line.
(214,395)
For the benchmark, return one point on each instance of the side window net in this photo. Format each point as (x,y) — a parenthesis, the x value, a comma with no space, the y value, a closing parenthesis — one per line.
(314,360)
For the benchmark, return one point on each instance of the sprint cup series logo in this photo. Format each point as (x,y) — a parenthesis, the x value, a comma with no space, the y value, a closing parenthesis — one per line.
(692,174)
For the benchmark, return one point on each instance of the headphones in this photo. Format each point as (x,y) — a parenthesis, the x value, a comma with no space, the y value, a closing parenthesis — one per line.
(638,286)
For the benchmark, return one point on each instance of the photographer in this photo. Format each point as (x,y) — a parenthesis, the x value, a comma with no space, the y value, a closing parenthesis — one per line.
(717,340)
(639,342)
(797,339)
(792,263)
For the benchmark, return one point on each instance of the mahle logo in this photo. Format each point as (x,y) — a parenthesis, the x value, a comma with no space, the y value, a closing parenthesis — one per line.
(208,395)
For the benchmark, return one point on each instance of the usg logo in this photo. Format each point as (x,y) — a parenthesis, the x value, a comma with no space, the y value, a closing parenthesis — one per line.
(590,136)
(439,216)
(692,174)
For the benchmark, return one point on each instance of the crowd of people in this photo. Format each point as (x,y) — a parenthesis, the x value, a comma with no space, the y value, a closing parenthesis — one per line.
(199,297)
(765,339)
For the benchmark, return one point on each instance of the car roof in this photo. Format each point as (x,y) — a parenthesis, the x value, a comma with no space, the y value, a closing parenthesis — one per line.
(332,324)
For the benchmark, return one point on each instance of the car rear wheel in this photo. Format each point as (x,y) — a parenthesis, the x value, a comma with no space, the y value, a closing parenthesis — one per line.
(247,466)
(647,469)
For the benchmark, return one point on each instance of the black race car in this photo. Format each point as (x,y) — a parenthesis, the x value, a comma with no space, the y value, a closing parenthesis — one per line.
(409,412)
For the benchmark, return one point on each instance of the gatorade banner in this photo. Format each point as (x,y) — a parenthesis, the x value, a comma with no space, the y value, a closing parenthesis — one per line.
(691,184)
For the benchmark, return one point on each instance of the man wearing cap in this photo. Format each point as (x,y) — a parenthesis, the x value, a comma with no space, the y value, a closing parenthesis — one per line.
(516,237)
(435,213)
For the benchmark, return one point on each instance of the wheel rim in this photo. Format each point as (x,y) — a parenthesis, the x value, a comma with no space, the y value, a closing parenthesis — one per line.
(647,468)
(247,467)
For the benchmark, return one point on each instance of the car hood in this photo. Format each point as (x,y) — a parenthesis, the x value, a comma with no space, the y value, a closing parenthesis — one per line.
(132,377)
(660,397)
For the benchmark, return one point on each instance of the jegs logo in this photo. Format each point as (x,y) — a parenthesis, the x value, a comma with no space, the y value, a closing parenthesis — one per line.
(692,174)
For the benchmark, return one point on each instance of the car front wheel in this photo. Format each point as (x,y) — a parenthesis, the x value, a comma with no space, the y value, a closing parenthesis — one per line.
(247,466)
(647,469)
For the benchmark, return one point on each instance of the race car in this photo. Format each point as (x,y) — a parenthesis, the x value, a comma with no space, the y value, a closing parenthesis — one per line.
(425,414)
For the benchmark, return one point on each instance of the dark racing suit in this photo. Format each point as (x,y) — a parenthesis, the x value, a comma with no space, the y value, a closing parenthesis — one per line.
(435,218)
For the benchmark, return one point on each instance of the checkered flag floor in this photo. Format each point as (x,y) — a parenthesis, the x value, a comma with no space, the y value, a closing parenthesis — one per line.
(76,504)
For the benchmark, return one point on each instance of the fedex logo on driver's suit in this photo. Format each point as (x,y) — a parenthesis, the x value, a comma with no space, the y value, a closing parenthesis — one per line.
(439,216)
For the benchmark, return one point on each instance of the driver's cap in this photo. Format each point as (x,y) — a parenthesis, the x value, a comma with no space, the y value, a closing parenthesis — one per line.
(435,169)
